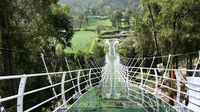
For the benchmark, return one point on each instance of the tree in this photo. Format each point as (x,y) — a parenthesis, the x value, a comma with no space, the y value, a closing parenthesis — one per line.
(170,22)
(153,11)
(6,29)
(127,47)
(108,10)
(27,25)
(62,25)
(83,17)
(116,19)
(97,48)
(174,24)
(142,36)
(127,16)
(180,20)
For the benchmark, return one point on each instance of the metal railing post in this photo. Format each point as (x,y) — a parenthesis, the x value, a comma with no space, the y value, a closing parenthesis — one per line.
(156,75)
(198,61)
(90,82)
(141,71)
(70,74)
(127,81)
(164,75)
(20,98)
(49,77)
(141,85)
(78,82)
(178,84)
(63,89)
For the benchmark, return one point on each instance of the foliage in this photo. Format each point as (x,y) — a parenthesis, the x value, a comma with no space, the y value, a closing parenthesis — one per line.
(170,25)
(62,24)
(180,20)
(143,37)
(116,19)
(116,4)
(98,48)
(127,47)
(127,16)
(27,28)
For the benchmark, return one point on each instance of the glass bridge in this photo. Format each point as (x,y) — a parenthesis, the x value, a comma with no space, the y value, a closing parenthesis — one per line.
(121,85)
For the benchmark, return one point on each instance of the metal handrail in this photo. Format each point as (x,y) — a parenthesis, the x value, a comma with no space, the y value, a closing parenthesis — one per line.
(22,93)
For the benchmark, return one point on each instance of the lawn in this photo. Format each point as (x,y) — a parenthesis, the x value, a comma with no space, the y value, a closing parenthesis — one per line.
(93,23)
(82,41)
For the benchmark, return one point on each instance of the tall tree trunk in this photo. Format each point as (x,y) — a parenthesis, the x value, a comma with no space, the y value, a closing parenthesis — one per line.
(174,38)
(154,30)
(173,59)
(6,37)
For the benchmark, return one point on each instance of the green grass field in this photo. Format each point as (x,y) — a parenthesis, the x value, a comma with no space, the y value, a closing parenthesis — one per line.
(82,41)
(93,23)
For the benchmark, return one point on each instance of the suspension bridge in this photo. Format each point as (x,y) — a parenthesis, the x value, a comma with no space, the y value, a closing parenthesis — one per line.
(120,85)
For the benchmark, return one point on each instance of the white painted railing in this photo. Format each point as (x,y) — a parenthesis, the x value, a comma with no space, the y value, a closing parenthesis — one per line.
(172,92)
(89,78)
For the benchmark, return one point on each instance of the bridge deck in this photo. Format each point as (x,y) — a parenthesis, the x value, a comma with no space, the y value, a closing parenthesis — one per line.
(93,101)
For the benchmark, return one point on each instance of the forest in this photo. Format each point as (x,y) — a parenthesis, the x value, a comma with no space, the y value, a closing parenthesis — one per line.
(31,29)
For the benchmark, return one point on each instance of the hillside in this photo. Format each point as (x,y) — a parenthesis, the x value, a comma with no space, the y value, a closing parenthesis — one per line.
(78,3)
(116,4)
